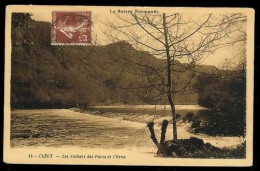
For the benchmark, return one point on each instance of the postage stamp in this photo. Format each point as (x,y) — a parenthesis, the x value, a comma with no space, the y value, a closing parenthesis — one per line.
(71,28)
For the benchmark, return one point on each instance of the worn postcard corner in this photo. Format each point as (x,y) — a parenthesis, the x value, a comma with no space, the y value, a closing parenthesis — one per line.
(150,86)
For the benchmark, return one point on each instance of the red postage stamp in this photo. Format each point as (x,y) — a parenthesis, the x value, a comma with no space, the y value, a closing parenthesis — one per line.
(71,28)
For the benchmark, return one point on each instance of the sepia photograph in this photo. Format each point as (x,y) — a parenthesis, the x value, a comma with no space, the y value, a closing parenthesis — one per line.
(129,85)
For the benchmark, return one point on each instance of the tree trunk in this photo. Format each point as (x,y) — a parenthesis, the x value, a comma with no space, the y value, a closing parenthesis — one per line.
(173,117)
(169,78)
(153,137)
(163,130)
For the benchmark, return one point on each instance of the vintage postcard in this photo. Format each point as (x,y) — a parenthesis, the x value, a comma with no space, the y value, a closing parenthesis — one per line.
(150,86)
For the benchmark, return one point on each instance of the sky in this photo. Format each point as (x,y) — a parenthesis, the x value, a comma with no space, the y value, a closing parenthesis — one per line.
(217,58)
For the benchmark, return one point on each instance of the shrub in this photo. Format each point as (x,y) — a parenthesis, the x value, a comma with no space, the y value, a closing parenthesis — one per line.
(178,116)
(189,117)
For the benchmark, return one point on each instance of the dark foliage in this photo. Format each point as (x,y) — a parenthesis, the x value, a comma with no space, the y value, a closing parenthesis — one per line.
(218,124)
(225,95)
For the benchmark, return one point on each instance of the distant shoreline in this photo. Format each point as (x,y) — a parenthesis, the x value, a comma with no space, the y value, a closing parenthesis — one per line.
(159,107)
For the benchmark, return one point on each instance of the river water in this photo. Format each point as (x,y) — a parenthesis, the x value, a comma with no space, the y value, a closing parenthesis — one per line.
(110,129)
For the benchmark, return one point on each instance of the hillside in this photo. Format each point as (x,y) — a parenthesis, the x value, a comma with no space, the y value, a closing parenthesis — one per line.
(45,76)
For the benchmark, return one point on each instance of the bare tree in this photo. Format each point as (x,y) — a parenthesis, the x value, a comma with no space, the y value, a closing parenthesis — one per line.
(173,38)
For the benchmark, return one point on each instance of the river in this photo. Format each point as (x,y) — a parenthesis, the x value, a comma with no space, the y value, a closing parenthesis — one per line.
(110,130)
